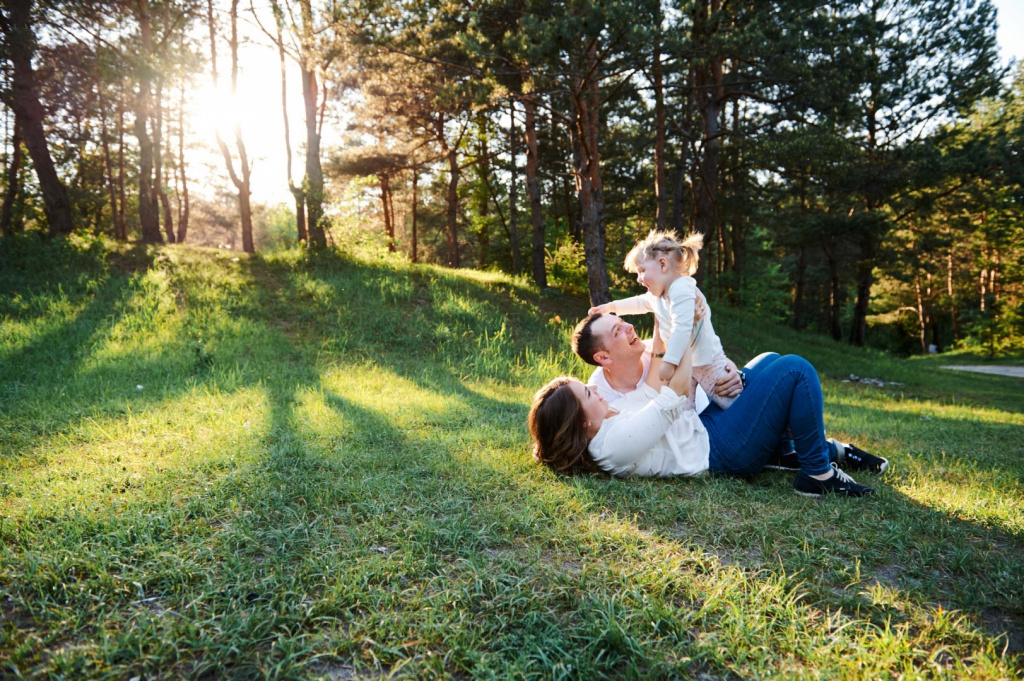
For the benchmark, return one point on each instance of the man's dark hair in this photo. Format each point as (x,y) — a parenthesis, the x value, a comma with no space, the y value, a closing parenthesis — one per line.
(583,342)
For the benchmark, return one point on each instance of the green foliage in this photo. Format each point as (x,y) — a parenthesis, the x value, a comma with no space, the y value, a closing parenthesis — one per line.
(274,227)
(996,331)
(307,465)
(566,265)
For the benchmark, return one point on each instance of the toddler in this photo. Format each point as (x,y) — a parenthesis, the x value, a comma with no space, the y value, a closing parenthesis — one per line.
(663,265)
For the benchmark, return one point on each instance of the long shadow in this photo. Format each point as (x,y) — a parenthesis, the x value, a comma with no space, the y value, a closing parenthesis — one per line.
(52,359)
(261,546)
(986,561)
(300,537)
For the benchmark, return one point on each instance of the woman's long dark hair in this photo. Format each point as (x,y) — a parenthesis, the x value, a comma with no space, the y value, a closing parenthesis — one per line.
(556,424)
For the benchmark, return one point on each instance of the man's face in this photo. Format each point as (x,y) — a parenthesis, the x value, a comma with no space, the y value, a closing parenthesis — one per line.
(619,341)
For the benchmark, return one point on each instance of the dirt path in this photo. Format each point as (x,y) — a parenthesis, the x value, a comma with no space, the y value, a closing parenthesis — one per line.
(996,369)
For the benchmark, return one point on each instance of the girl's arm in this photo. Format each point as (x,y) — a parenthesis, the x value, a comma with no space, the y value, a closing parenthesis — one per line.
(636,305)
(683,294)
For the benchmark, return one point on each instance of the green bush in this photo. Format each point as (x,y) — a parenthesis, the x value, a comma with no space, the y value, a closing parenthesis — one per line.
(567,266)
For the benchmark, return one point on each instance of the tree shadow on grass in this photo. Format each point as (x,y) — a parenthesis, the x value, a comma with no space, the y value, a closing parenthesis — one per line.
(412,544)
(986,572)
(49,361)
(226,557)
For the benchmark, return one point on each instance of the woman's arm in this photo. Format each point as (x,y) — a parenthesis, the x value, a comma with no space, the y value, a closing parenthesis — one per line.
(630,437)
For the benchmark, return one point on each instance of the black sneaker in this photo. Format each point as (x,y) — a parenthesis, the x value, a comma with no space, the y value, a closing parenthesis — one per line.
(856,459)
(783,462)
(839,483)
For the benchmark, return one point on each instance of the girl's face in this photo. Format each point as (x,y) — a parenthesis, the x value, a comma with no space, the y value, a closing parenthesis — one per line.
(595,408)
(653,273)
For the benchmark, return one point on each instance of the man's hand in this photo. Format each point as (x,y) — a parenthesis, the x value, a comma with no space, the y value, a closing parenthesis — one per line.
(666,371)
(730,384)
(603,309)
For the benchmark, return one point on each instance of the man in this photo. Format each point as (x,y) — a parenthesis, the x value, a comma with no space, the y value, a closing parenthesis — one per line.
(622,361)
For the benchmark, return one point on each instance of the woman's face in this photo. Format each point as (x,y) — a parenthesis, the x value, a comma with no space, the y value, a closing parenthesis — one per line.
(595,408)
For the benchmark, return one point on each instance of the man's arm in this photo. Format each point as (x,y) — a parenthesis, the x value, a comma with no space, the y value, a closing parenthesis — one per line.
(730,384)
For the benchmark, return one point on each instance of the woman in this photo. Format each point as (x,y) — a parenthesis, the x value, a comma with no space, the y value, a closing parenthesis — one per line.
(649,433)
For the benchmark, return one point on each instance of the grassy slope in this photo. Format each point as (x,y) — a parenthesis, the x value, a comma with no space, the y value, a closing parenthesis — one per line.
(325,472)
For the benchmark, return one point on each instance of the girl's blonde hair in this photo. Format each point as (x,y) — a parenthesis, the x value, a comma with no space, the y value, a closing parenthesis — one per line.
(684,253)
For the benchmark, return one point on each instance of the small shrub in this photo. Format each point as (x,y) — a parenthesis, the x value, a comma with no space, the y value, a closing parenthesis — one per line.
(567,266)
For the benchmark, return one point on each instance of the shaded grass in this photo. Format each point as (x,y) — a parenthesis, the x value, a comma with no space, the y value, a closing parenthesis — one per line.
(326,474)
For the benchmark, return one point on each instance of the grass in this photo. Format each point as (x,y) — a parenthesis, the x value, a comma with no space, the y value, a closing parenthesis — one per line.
(317,467)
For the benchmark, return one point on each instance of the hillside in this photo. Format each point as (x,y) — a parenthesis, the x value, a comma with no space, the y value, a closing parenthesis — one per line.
(305,467)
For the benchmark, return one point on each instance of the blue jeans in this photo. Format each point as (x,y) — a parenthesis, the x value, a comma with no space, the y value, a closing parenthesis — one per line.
(782,393)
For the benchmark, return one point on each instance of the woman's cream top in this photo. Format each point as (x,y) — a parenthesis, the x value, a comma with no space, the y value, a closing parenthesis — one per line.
(652,435)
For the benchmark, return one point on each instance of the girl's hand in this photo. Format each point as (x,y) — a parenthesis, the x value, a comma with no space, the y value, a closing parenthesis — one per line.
(666,371)
(603,309)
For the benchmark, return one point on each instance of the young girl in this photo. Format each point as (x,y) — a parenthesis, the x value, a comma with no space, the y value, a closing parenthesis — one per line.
(663,265)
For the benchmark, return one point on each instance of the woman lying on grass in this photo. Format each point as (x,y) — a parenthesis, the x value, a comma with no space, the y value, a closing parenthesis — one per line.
(649,433)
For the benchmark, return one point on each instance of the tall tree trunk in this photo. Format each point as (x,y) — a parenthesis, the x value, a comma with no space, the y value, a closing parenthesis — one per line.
(738,233)
(677,197)
(298,195)
(24,101)
(540,276)
(483,201)
(149,220)
(834,290)
(313,182)
(389,223)
(868,241)
(108,164)
(572,225)
(413,256)
(184,207)
(573,213)
(244,192)
(158,157)
(954,313)
(707,79)
(122,223)
(453,204)
(13,181)
(864,279)
(513,190)
(241,182)
(588,179)
(922,315)
(660,182)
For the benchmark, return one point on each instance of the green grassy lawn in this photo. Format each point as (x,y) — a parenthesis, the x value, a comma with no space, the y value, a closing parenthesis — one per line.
(317,467)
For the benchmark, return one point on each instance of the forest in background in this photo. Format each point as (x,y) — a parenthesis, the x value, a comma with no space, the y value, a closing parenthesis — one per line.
(855,167)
